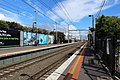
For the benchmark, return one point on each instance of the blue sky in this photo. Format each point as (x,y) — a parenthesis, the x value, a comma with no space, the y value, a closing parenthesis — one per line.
(77,12)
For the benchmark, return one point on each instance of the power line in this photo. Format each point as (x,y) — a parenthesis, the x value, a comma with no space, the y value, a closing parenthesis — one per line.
(102,5)
(55,1)
(19,14)
(9,8)
(64,10)
(15,11)
(15,6)
(49,8)
(38,10)
(19,8)
(68,15)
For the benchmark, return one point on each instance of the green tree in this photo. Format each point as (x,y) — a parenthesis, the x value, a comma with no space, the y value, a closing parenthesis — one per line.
(3,24)
(60,35)
(17,26)
(25,28)
(30,29)
(107,26)
(39,30)
(34,29)
(14,25)
(44,31)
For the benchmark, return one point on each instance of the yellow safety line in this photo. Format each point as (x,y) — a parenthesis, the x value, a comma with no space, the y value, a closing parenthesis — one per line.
(76,63)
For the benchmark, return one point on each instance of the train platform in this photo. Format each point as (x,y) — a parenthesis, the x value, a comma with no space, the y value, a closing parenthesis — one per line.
(24,48)
(80,66)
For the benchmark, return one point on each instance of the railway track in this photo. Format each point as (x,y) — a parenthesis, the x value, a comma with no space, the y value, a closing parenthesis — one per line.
(51,67)
(47,69)
(13,72)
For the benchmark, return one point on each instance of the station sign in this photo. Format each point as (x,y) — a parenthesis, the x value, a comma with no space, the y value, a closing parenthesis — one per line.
(9,37)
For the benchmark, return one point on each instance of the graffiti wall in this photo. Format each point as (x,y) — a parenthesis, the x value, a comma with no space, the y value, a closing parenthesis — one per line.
(50,39)
(42,39)
(20,38)
(30,38)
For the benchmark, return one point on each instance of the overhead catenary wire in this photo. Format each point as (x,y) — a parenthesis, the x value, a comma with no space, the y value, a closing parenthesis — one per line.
(12,10)
(38,11)
(15,11)
(101,7)
(68,15)
(55,1)
(20,15)
(60,7)
(63,10)
(49,9)
(24,10)
(14,5)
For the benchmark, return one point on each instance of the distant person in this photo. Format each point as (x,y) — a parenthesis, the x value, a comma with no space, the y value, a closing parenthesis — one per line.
(41,40)
(37,42)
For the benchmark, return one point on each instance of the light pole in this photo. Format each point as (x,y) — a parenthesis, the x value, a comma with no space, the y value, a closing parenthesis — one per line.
(54,36)
(56,32)
(36,18)
(53,30)
(92,27)
(92,20)
(68,33)
(33,26)
(93,33)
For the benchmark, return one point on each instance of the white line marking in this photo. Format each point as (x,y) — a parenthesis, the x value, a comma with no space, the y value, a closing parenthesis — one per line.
(57,73)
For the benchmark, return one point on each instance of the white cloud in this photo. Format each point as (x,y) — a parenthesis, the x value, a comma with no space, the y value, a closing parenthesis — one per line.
(37,8)
(9,16)
(6,18)
(48,27)
(2,16)
(78,9)
(78,34)
(64,29)
(71,27)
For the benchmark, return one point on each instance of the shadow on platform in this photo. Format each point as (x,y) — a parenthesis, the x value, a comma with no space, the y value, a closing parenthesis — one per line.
(91,70)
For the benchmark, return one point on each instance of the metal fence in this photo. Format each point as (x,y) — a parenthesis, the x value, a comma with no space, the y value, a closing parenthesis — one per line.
(109,50)
(117,58)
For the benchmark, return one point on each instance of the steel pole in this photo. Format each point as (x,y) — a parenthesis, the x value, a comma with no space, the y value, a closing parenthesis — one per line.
(56,32)
(68,33)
